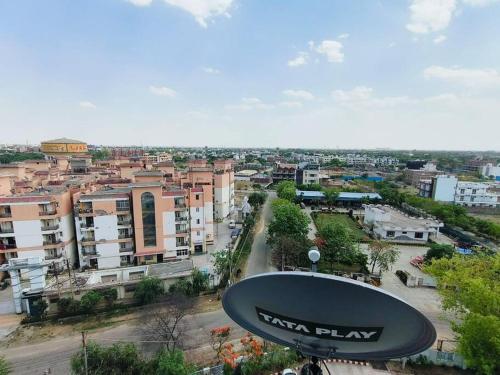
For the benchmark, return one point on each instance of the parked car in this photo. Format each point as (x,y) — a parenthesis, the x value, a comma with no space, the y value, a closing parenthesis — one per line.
(232,224)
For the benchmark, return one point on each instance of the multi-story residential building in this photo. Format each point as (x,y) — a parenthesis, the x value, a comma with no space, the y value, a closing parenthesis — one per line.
(104,228)
(491,171)
(284,172)
(308,173)
(38,224)
(171,223)
(447,188)
(223,188)
(413,176)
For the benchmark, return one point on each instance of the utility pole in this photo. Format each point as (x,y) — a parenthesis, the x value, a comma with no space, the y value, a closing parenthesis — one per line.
(85,353)
(57,279)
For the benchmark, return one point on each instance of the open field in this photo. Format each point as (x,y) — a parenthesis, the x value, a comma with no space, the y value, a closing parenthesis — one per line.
(322,218)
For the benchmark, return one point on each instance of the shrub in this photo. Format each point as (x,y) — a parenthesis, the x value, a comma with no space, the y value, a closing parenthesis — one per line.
(89,301)
(110,296)
(68,307)
(148,290)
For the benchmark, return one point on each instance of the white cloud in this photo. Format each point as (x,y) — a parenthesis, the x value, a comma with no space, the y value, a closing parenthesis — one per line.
(462,76)
(290,104)
(362,97)
(140,3)
(301,59)
(439,39)
(298,94)
(162,91)
(203,10)
(87,105)
(248,104)
(211,70)
(343,36)
(479,3)
(430,15)
(330,48)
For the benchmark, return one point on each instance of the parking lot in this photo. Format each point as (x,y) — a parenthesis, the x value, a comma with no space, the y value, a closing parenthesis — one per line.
(426,300)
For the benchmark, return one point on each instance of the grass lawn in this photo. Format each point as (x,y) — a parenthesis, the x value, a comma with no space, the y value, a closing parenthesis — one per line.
(322,218)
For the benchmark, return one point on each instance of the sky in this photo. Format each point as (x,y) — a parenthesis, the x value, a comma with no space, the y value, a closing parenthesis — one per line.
(402,74)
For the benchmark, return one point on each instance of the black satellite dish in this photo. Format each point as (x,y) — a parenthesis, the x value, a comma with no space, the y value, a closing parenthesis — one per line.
(328,316)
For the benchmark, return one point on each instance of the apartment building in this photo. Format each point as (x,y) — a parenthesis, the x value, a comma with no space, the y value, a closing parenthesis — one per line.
(413,176)
(284,172)
(308,173)
(447,188)
(38,224)
(171,223)
(104,228)
(223,188)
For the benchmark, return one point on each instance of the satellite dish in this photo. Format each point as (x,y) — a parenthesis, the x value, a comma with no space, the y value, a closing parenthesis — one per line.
(328,316)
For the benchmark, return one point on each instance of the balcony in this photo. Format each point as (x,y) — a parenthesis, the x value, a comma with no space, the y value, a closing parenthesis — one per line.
(8,246)
(181,219)
(85,210)
(85,225)
(126,249)
(123,236)
(88,239)
(124,222)
(48,212)
(50,227)
(181,230)
(5,214)
(51,256)
(89,251)
(51,242)
(122,208)
(6,230)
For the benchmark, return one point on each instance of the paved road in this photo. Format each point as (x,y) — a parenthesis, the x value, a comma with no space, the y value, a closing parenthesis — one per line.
(259,260)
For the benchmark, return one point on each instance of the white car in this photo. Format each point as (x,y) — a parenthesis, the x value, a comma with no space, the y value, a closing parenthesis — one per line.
(232,224)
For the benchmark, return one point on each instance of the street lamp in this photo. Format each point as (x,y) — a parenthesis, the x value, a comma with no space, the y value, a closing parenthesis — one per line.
(314,256)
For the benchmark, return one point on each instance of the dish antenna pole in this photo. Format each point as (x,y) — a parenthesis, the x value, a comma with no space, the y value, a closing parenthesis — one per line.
(314,256)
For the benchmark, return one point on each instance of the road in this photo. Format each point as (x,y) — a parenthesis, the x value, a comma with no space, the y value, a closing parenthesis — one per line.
(259,260)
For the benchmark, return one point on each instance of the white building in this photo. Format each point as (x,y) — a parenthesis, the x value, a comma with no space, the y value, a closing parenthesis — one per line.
(490,171)
(392,225)
(444,187)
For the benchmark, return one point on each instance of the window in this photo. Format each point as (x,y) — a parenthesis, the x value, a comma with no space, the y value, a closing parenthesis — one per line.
(197,221)
(148,219)
(474,191)
(197,197)
(198,233)
(419,235)
(462,191)
(197,209)
(182,252)
(405,232)
(390,233)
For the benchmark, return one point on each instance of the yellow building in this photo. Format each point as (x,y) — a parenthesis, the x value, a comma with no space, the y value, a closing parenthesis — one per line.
(64,146)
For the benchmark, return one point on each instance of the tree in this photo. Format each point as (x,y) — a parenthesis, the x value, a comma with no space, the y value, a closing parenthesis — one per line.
(287,251)
(197,283)
(166,323)
(4,366)
(148,290)
(89,301)
(286,190)
(257,199)
(337,245)
(117,359)
(219,336)
(383,255)
(173,363)
(438,251)
(288,220)
(470,287)
(331,196)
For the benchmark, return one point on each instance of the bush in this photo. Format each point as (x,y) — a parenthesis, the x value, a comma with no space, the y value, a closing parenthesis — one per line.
(4,366)
(191,287)
(68,307)
(148,290)
(110,296)
(89,301)
(438,251)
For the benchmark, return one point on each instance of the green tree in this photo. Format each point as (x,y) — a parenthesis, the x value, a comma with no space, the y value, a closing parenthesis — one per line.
(337,245)
(289,251)
(148,290)
(118,359)
(257,199)
(470,287)
(286,190)
(331,196)
(199,281)
(438,251)
(383,255)
(172,363)
(288,220)
(4,366)
(89,301)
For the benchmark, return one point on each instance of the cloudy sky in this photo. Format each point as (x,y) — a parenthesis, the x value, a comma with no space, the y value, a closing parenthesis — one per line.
(419,74)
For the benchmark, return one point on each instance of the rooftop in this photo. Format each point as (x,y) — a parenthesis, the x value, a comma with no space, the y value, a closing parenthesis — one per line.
(64,140)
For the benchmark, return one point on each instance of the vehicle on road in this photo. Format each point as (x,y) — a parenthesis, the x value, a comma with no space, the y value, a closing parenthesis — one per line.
(232,224)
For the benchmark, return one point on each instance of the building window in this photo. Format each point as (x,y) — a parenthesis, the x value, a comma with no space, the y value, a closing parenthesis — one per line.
(148,219)
(462,191)
(474,191)
(197,209)
(197,221)
(197,197)
(419,235)
(390,233)
(182,252)
(198,233)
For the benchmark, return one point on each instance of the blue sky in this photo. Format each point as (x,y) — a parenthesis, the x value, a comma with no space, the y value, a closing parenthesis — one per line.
(419,74)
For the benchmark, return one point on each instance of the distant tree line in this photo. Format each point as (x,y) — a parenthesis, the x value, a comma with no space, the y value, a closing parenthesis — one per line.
(11,157)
